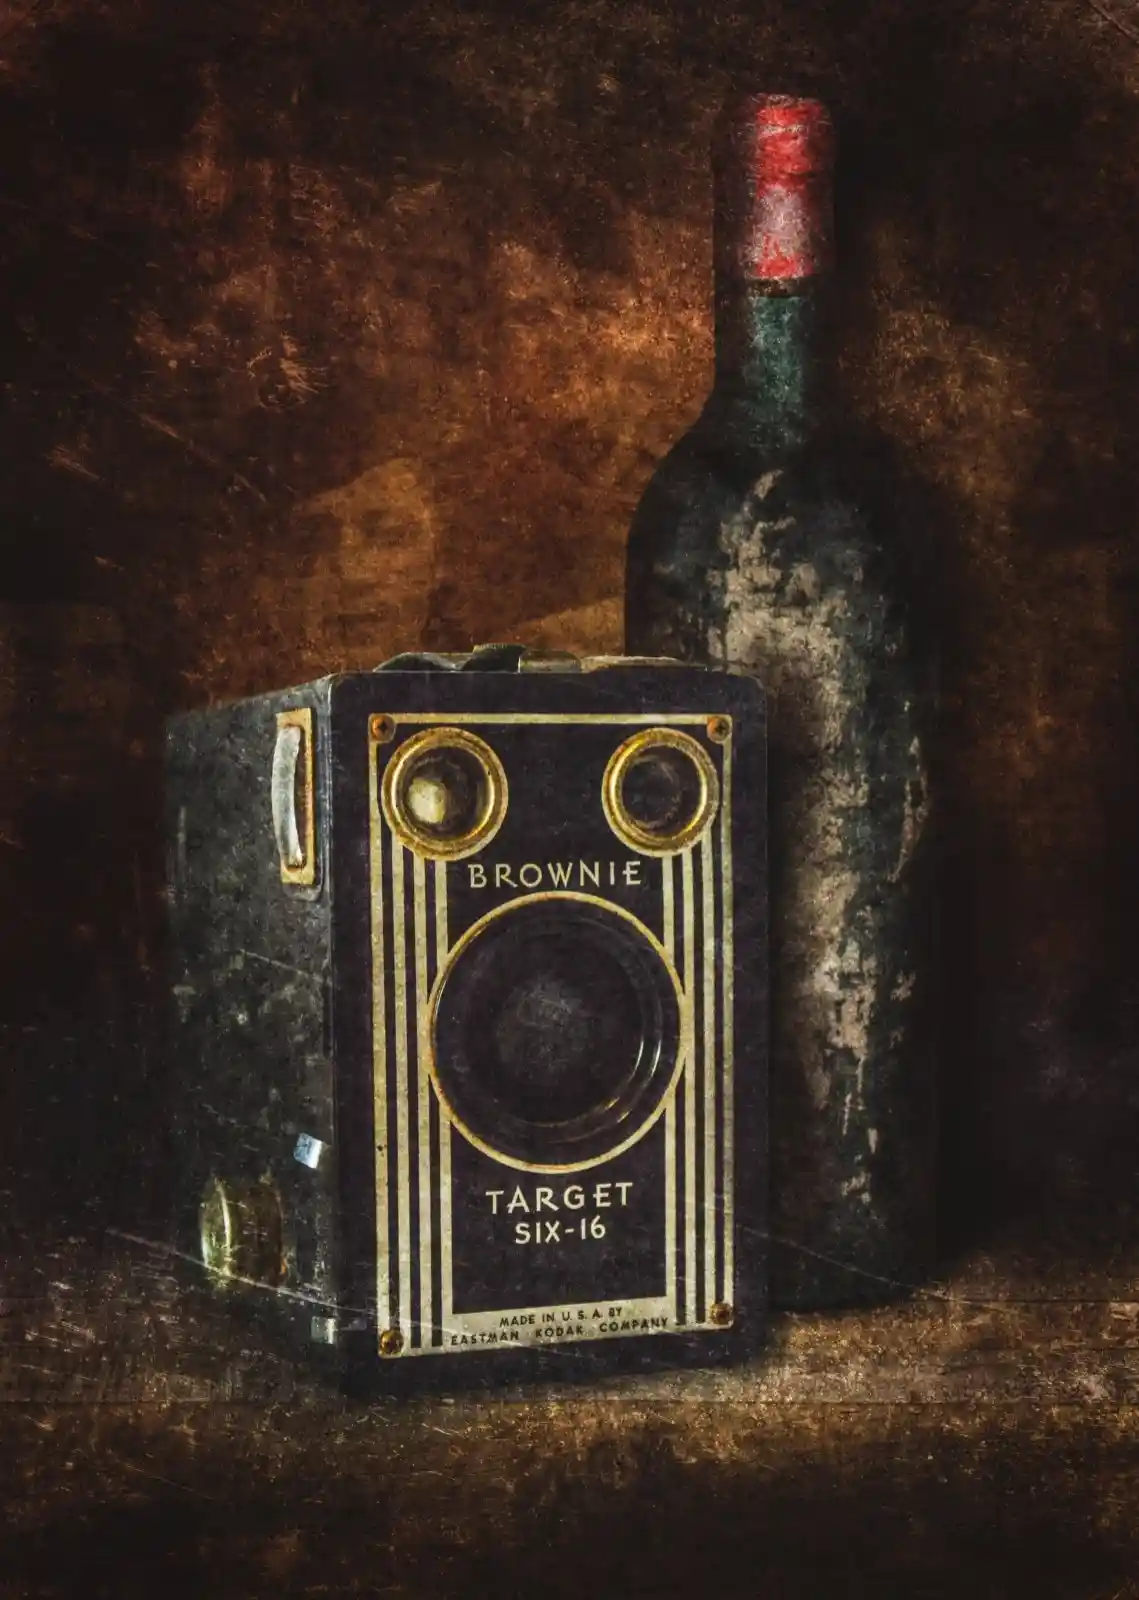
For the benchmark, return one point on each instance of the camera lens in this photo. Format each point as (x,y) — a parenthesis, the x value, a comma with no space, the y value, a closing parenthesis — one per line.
(555,1031)
(444,792)
(660,791)
(560,1034)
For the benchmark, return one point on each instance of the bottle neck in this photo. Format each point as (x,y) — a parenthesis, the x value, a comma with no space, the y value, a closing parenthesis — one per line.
(773,204)
(772,364)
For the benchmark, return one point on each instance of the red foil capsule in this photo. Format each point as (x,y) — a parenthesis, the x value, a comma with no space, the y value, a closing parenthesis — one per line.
(784,147)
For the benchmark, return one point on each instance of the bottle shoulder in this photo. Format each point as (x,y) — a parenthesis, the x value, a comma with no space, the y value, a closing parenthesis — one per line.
(717,508)
(717,555)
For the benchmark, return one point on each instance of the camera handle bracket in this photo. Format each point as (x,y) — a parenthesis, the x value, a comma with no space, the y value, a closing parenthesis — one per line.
(512,658)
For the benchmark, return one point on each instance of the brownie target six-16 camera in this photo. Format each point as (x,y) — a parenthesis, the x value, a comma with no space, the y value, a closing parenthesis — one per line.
(470,1008)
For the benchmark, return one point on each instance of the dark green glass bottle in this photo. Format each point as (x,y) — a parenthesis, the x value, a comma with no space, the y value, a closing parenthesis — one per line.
(748,552)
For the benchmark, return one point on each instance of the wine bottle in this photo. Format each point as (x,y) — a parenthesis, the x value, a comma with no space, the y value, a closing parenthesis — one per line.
(749,552)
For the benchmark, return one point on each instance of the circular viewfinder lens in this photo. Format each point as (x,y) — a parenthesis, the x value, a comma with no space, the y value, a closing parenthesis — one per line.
(660,791)
(444,792)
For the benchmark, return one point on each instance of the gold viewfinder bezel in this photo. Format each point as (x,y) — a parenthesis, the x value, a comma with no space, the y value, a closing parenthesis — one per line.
(625,826)
(492,811)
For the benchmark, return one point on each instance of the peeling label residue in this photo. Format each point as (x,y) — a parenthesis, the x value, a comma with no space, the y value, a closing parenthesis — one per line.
(847,815)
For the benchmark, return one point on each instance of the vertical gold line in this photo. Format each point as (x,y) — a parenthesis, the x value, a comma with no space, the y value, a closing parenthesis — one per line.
(708,962)
(423,1089)
(727,1024)
(445,1257)
(669,942)
(403,1133)
(379,1050)
(669,939)
(688,912)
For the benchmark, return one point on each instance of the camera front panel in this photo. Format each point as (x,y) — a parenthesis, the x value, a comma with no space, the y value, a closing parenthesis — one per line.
(552,971)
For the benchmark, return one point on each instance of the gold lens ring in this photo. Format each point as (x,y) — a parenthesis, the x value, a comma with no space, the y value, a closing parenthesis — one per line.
(640,747)
(619,1121)
(400,774)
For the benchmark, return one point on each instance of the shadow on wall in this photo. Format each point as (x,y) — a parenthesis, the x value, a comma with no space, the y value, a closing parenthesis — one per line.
(257,293)
(988,182)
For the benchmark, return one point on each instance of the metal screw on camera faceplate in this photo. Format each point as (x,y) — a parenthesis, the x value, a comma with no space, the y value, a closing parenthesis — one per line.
(382,728)
(721,1315)
(391,1342)
(720,729)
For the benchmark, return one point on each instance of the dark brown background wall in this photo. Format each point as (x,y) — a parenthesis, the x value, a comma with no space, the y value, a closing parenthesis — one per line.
(328,330)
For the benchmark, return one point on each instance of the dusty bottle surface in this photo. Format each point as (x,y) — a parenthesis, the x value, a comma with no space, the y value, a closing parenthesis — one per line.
(747,552)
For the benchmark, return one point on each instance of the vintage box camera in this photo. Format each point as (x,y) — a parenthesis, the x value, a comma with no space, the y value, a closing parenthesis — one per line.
(470,1008)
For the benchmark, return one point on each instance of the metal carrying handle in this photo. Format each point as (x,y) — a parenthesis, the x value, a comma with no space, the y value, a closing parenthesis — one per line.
(291,797)
(286,754)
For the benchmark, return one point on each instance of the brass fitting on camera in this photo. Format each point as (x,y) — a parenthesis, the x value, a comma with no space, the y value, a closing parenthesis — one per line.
(241,1234)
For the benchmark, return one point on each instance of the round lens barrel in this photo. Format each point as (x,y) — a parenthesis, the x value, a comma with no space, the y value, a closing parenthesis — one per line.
(555,1032)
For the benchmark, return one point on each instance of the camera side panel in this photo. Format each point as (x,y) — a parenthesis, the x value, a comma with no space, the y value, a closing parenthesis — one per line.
(252,1148)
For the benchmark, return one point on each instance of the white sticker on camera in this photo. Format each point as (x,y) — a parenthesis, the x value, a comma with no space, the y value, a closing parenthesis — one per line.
(308,1150)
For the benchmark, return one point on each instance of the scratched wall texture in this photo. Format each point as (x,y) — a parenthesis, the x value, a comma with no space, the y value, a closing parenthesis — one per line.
(331,330)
